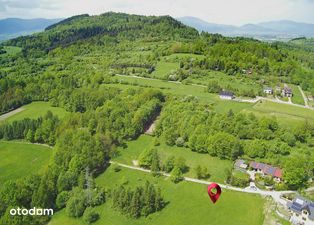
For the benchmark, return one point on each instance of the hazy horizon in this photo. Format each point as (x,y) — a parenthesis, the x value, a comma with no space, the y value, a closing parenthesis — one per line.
(224,11)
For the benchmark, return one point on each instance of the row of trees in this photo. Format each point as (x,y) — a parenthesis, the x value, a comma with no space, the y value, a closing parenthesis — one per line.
(41,130)
(140,201)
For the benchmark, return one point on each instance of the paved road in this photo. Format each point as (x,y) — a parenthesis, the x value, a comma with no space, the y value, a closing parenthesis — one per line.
(274,194)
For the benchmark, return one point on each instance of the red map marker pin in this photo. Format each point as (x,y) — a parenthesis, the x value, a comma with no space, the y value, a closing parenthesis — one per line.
(214,196)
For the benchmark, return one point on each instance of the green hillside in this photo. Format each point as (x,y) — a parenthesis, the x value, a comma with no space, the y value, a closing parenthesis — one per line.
(91,86)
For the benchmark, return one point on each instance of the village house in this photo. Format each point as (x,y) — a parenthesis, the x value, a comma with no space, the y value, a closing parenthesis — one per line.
(265,169)
(268,90)
(226,95)
(301,207)
(286,92)
(240,165)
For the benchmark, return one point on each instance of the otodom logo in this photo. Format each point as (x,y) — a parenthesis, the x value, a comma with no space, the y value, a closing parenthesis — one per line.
(31,212)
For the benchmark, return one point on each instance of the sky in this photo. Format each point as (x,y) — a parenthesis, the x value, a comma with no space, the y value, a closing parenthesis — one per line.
(235,12)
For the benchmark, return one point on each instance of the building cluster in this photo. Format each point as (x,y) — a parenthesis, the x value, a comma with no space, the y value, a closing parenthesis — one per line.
(261,168)
(285,92)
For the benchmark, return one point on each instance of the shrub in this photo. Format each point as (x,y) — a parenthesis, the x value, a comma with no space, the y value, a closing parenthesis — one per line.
(180,142)
(176,175)
(240,179)
(90,216)
(76,205)
(117,169)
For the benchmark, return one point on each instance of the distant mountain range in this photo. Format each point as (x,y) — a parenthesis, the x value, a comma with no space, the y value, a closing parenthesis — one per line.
(283,29)
(13,27)
(273,30)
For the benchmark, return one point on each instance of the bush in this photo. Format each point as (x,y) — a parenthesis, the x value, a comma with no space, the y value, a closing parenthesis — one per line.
(176,175)
(76,205)
(90,216)
(99,198)
(240,179)
(281,187)
(169,164)
(117,169)
(180,142)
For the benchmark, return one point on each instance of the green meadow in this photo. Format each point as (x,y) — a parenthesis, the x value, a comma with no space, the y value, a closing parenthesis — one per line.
(181,90)
(35,110)
(285,114)
(297,97)
(20,159)
(164,68)
(215,166)
(232,207)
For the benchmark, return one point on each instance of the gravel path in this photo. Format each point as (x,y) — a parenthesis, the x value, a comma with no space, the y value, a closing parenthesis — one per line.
(9,114)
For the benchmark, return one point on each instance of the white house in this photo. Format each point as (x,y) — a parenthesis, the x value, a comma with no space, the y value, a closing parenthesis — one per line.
(268,90)
(226,95)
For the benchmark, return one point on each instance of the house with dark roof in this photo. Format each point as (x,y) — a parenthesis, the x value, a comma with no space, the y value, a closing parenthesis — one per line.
(302,207)
(287,92)
(226,95)
(267,170)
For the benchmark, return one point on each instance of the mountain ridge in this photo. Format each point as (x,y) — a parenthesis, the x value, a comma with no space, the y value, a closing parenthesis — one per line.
(270,29)
(13,27)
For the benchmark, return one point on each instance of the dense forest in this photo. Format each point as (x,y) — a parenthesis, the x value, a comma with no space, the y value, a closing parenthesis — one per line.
(68,65)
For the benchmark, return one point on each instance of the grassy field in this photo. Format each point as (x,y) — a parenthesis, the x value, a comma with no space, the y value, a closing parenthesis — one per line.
(164,68)
(297,97)
(11,50)
(215,166)
(183,90)
(224,80)
(285,114)
(188,204)
(21,159)
(35,110)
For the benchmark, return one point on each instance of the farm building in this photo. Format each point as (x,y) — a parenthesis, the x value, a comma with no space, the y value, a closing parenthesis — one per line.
(286,92)
(267,170)
(302,207)
(268,90)
(226,95)
(240,165)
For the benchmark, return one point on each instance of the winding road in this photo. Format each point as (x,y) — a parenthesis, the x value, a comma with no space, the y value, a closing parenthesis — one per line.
(274,194)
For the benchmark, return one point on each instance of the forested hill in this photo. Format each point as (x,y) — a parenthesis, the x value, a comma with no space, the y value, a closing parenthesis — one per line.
(126,26)
(118,41)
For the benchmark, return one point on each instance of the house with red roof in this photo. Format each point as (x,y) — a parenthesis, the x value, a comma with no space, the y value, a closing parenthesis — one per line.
(265,169)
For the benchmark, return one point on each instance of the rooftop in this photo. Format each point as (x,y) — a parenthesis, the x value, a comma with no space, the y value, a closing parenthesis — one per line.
(299,204)
(226,93)
(267,169)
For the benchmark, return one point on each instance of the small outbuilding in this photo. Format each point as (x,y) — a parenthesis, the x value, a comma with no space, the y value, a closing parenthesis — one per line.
(226,95)
(240,165)
(268,90)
